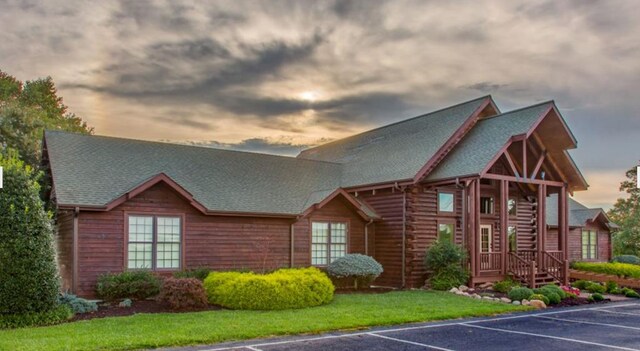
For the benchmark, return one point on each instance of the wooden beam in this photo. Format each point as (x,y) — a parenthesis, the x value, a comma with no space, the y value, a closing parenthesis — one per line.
(523,180)
(538,164)
(541,227)
(511,164)
(524,157)
(504,218)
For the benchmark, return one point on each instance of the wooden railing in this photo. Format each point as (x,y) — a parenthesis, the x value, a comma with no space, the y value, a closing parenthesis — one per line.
(490,261)
(555,266)
(528,255)
(523,270)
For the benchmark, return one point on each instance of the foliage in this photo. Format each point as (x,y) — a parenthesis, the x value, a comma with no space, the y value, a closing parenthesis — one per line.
(444,260)
(520,293)
(541,298)
(630,293)
(505,285)
(346,312)
(631,259)
(126,303)
(626,214)
(554,289)
(26,110)
(183,293)
(581,284)
(129,284)
(619,269)
(77,304)
(198,273)
(611,286)
(282,289)
(55,315)
(28,272)
(596,297)
(596,288)
(363,269)
(572,291)
(552,292)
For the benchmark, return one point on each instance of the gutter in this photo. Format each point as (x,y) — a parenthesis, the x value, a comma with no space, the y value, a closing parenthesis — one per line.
(76,214)
(366,237)
(292,233)
(404,233)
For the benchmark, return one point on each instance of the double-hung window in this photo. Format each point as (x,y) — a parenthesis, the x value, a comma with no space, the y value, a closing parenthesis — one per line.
(589,244)
(328,242)
(154,242)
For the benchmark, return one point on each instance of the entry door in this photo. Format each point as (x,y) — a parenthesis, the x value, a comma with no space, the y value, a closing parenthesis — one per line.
(486,234)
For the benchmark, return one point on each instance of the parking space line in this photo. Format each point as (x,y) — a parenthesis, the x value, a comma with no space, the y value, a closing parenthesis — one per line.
(252,348)
(616,312)
(550,337)
(587,322)
(409,342)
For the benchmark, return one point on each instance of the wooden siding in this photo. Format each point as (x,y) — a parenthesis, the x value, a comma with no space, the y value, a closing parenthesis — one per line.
(64,248)
(217,242)
(388,234)
(575,242)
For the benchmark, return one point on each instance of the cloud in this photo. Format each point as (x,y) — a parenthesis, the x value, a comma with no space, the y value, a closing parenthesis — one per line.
(280,146)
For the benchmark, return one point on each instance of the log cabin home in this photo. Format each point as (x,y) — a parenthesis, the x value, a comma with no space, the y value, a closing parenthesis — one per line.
(496,183)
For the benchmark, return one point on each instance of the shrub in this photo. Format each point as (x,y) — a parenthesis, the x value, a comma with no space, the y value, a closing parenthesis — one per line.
(630,293)
(198,273)
(361,268)
(183,293)
(540,297)
(596,297)
(618,269)
(444,261)
(630,259)
(28,273)
(77,304)
(520,293)
(129,284)
(553,289)
(596,288)
(581,284)
(282,289)
(570,291)
(56,315)
(505,285)
(611,286)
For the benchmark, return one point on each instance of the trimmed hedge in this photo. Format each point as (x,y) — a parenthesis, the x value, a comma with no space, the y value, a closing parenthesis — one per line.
(183,293)
(29,281)
(129,284)
(624,270)
(283,289)
(630,259)
(361,268)
(56,315)
(520,293)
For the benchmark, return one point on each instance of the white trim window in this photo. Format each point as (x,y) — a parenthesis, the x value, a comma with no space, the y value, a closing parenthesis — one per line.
(155,242)
(589,244)
(328,242)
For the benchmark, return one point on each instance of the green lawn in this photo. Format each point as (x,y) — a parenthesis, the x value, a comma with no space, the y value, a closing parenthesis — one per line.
(156,330)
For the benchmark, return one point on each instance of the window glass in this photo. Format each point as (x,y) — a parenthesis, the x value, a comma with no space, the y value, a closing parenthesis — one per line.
(485,238)
(338,240)
(140,244)
(513,243)
(168,245)
(319,243)
(445,231)
(445,201)
(486,205)
(512,206)
(145,241)
(589,244)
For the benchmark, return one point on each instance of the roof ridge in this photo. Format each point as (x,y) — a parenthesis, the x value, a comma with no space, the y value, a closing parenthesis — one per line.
(166,143)
(396,123)
(520,109)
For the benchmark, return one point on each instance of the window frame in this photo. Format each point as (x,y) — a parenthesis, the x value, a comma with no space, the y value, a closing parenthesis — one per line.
(329,221)
(493,205)
(453,202)
(450,222)
(489,238)
(515,207)
(515,238)
(154,242)
(591,246)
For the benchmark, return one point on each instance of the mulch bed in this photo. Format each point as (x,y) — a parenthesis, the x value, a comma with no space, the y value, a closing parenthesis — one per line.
(142,306)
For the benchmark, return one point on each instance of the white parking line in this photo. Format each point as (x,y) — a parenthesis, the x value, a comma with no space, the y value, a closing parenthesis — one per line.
(252,348)
(409,342)
(418,327)
(586,322)
(549,337)
(616,312)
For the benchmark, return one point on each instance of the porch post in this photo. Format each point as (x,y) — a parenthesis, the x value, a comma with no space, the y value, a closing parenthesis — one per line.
(542,226)
(470,211)
(476,229)
(504,218)
(563,232)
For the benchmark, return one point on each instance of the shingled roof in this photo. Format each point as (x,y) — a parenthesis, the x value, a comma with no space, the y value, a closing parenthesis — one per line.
(94,171)
(579,214)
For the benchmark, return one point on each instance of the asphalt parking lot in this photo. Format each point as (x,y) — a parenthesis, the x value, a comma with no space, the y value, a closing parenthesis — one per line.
(613,326)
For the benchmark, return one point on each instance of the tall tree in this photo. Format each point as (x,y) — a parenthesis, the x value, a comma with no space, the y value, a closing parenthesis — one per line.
(626,214)
(26,110)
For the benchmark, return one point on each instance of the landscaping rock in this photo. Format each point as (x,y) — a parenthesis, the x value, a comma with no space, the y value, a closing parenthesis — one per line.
(125,303)
(486,286)
(454,290)
(487,298)
(458,292)
(517,303)
(526,303)
(538,304)
(476,296)
(463,288)
(505,300)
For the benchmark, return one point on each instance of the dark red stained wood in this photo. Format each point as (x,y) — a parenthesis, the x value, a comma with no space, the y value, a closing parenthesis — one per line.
(218,242)
(64,248)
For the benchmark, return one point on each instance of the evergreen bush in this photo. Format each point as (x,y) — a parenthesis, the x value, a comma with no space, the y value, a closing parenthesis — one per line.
(444,260)
(361,268)
(128,284)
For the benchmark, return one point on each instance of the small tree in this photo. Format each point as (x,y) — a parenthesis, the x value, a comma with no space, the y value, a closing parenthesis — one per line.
(28,273)
(444,262)
(626,214)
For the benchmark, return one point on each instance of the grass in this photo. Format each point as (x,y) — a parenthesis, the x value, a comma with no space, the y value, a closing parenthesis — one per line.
(166,329)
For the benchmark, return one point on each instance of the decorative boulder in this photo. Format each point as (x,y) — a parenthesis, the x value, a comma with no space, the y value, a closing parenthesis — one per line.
(537,304)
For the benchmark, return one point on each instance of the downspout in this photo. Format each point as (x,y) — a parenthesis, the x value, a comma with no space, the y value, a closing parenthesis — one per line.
(366,237)
(404,233)
(292,242)
(76,214)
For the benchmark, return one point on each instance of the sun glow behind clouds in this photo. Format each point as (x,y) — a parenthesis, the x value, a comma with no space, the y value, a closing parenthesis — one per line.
(310,96)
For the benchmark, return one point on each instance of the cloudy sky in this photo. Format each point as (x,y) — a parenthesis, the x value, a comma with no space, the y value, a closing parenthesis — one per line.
(276,76)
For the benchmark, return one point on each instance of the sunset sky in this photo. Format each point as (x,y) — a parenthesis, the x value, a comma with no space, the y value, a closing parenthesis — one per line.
(276,76)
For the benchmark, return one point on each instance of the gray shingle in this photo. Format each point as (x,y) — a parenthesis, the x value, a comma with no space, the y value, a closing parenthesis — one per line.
(578,213)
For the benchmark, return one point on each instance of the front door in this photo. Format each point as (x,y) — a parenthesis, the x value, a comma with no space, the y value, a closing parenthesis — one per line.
(486,234)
